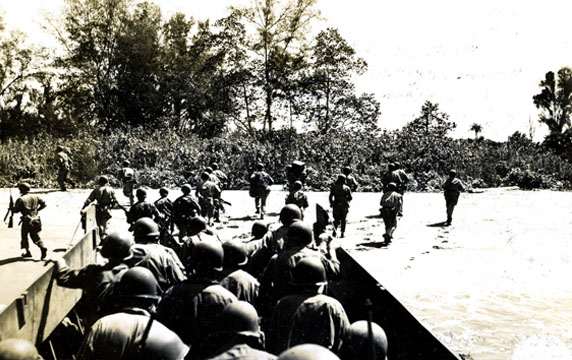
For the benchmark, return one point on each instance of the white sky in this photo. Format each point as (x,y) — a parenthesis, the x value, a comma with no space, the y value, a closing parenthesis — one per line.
(480,60)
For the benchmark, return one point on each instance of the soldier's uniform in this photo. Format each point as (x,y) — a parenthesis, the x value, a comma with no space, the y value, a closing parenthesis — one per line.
(64,167)
(452,188)
(260,183)
(391,205)
(297,197)
(104,195)
(29,205)
(162,261)
(143,209)
(208,193)
(340,197)
(165,208)
(184,208)
(243,285)
(127,177)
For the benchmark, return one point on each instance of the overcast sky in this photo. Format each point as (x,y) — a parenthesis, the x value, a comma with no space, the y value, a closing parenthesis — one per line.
(480,60)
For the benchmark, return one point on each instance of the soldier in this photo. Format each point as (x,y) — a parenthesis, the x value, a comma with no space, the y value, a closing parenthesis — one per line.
(260,183)
(220,175)
(142,208)
(105,200)
(162,261)
(391,203)
(208,193)
(239,334)
(64,166)
(356,344)
(184,208)
(297,197)
(308,315)
(452,189)
(165,208)
(132,333)
(96,280)
(340,197)
(127,177)
(350,180)
(391,176)
(243,285)
(403,181)
(29,205)
(192,308)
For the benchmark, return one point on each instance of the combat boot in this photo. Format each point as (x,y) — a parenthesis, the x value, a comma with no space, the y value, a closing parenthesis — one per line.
(44,252)
(26,253)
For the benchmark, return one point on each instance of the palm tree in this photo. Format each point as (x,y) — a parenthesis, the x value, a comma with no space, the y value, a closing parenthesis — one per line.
(477,129)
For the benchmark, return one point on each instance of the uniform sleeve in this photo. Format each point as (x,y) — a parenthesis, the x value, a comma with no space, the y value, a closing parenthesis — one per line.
(41,203)
(18,205)
(90,198)
(75,278)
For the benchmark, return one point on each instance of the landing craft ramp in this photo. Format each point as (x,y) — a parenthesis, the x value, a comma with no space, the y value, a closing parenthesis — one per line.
(31,304)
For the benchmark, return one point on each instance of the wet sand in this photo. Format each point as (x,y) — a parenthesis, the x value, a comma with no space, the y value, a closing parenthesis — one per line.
(493,285)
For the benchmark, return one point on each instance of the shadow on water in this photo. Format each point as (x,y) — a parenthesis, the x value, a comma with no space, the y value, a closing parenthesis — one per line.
(376,244)
(439,224)
(16,259)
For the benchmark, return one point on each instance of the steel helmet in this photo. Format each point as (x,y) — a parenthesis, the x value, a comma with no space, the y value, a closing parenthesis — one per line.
(308,352)
(116,246)
(346,170)
(239,317)
(163,344)
(18,349)
(141,193)
(207,255)
(138,282)
(145,230)
(259,229)
(186,189)
(308,271)
(299,234)
(196,225)
(290,213)
(235,253)
(24,187)
(356,343)
(103,180)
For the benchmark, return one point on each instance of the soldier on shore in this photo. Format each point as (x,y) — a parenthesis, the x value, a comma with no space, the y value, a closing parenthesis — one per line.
(29,205)
(350,180)
(142,208)
(340,197)
(297,197)
(391,203)
(185,208)
(260,183)
(104,197)
(452,189)
(208,193)
(64,166)
(165,208)
(127,177)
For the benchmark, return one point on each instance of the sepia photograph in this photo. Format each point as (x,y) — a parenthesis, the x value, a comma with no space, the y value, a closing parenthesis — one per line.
(285,179)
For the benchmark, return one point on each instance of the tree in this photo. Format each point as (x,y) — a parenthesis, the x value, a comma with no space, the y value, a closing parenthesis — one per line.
(555,104)
(280,43)
(477,129)
(333,104)
(431,122)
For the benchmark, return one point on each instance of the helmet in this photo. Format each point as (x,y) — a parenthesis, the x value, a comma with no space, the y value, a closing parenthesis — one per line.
(208,255)
(308,271)
(196,225)
(209,170)
(392,186)
(141,193)
(259,229)
(259,166)
(299,234)
(164,191)
(138,282)
(145,229)
(186,189)
(163,344)
(235,253)
(239,317)
(308,352)
(116,246)
(341,179)
(214,166)
(297,185)
(397,164)
(59,148)
(18,349)
(391,166)
(205,175)
(356,344)
(103,180)
(126,163)
(289,213)
(452,173)
(346,170)
(24,187)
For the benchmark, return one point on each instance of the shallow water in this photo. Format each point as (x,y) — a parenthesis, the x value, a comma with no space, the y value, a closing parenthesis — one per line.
(494,285)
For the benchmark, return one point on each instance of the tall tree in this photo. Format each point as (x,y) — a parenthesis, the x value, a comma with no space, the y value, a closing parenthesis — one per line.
(555,104)
(477,128)
(281,28)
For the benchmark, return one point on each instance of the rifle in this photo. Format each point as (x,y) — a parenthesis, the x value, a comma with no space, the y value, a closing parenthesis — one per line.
(10,212)
(225,202)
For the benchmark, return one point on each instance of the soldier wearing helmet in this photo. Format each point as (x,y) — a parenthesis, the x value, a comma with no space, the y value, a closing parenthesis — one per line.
(191,308)
(391,203)
(142,208)
(18,349)
(96,279)
(162,261)
(452,188)
(208,193)
(297,197)
(64,166)
(356,344)
(165,208)
(29,205)
(132,333)
(127,177)
(340,197)
(239,282)
(104,198)
(307,315)
(276,279)
(350,179)
(308,352)
(185,207)
(238,335)
(260,183)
